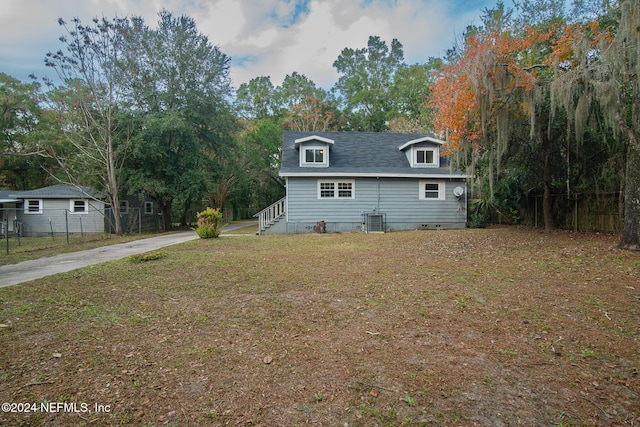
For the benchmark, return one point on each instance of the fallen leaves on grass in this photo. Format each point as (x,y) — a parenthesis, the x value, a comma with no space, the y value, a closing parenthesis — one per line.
(498,326)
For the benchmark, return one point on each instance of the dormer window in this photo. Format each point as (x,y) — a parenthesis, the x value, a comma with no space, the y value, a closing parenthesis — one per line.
(314,151)
(423,152)
(426,157)
(314,155)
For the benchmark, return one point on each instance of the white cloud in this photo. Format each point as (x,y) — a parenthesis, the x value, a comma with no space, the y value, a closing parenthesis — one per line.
(223,22)
(311,45)
(266,37)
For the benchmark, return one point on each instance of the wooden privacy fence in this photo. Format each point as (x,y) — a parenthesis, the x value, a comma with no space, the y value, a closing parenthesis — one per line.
(578,212)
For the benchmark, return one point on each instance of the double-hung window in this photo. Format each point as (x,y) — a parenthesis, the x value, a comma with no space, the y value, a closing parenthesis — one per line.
(336,189)
(426,157)
(345,190)
(314,155)
(148,208)
(327,190)
(33,206)
(79,206)
(431,190)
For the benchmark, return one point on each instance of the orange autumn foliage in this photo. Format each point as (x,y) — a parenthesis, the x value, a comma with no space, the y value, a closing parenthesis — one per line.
(571,39)
(469,91)
(493,66)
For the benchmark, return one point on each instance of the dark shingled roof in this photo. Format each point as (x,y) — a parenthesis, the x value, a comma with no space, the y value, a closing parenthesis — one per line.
(56,192)
(361,153)
(5,196)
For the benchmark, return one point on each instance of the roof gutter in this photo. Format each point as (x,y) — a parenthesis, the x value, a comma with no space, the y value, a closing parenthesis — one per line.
(372,175)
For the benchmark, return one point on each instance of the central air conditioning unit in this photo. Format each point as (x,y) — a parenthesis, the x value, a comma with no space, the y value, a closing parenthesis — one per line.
(374,223)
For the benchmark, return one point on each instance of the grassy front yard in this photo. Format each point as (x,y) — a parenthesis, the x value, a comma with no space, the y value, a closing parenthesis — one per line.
(471,327)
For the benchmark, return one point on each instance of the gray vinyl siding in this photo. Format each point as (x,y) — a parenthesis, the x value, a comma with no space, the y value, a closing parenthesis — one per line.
(396,198)
(57,217)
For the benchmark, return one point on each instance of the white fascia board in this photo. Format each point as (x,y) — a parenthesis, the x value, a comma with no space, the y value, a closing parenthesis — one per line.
(372,175)
(423,139)
(314,138)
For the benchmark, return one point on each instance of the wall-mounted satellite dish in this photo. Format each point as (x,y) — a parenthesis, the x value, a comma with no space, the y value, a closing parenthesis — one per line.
(458,191)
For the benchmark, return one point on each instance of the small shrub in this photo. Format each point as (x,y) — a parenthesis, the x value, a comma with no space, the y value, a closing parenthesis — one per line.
(209,223)
(477,220)
(149,256)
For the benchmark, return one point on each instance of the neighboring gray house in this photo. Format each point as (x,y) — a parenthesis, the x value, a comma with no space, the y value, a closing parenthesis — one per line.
(138,214)
(374,182)
(57,209)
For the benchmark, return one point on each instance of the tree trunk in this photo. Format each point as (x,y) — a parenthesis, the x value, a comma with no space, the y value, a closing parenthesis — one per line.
(630,238)
(114,199)
(547,210)
(166,215)
(185,212)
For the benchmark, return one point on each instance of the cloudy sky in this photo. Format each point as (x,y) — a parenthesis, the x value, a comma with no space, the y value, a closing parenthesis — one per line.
(263,37)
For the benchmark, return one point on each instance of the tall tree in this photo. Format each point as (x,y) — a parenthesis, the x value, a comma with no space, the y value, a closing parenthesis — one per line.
(365,83)
(23,129)
(296,88)
(597,67)
(181,90)
(410,90)
(88,101)
(307,107)
(254,168)
(481,95)
(311,115)
(257,100)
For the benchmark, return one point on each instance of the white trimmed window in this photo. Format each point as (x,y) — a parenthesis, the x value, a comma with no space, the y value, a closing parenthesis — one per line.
(148,208)
(33,206)
(343,189)
(314,155)
(79,206)
(432,190)
(425,157)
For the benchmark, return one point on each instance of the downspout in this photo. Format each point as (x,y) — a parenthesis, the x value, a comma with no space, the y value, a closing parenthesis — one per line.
(466,205)
(286,206)
(286,200)
(378,201)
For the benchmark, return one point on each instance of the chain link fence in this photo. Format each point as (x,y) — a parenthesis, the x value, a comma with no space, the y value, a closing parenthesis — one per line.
(135,220)
(36,229)
(24,231)
(51,222)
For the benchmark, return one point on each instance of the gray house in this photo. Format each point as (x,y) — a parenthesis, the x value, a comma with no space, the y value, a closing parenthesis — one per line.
(373,182)
(56,209)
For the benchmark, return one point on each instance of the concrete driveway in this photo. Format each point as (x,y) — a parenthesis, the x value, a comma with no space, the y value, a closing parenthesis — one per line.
(26,271)
(38,268)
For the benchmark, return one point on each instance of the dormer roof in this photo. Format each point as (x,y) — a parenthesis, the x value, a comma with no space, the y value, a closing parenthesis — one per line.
(314,138)
(420,140)
(366,154)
